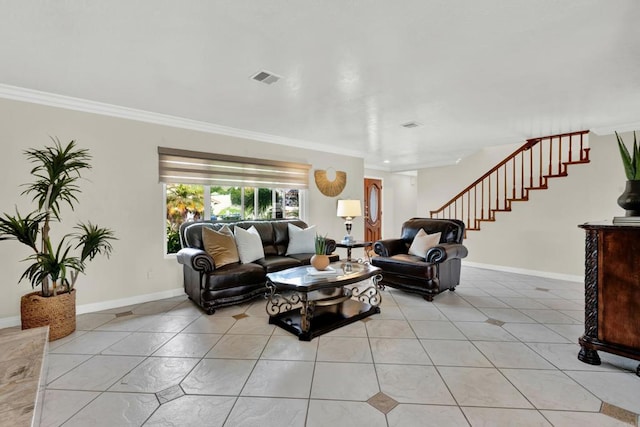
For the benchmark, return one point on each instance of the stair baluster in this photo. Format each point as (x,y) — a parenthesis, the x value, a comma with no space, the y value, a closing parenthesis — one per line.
(508,189)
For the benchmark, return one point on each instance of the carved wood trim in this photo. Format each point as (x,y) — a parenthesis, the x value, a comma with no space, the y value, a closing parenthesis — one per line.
(591,284)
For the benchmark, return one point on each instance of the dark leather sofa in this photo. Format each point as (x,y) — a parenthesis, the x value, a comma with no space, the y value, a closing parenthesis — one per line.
(439,268)
(212,287)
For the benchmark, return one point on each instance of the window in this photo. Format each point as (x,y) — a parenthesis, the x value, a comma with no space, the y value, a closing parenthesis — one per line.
(193,202)
(194,189)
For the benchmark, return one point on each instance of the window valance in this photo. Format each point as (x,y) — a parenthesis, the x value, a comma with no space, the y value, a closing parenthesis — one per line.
(194,167)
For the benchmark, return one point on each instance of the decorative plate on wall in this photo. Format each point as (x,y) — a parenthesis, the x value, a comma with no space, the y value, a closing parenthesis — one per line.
(327,187)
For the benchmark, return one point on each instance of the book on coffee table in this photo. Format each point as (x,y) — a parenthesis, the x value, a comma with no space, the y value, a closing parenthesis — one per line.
(329,271)
(630,220)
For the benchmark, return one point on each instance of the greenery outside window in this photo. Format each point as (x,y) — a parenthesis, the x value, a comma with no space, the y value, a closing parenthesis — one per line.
(194,202)
(194,189)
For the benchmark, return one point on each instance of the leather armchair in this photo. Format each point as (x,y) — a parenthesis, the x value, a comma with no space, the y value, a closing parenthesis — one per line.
(428,275)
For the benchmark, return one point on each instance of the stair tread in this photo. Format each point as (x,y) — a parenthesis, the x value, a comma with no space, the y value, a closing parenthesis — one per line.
(543,180)
(577,162)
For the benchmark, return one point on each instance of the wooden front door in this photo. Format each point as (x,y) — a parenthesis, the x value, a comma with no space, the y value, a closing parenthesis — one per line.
(372,209)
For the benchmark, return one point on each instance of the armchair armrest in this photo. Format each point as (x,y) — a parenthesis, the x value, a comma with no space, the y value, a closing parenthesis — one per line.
(446,251)
(196,259)
(390,247)
(330,246)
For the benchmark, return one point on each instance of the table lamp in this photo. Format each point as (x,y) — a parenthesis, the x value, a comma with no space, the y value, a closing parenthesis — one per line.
(349,209)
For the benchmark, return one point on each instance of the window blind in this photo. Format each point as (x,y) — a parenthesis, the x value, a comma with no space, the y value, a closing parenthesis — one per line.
(194,167)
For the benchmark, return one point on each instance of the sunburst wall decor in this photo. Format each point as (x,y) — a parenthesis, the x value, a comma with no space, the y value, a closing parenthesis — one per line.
(327,187)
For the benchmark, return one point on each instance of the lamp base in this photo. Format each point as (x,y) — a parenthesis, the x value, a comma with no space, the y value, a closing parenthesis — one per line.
(348,239)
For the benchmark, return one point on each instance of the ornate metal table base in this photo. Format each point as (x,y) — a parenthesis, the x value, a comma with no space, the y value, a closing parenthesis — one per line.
(307,318)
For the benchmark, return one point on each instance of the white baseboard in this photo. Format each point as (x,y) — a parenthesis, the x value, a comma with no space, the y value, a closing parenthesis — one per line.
(546,274)
(106,305)
(8,322)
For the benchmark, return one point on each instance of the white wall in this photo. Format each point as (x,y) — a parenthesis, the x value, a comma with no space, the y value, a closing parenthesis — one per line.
(541,234)
(122,192)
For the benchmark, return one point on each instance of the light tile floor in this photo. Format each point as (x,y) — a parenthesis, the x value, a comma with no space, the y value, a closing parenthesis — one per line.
(499,351)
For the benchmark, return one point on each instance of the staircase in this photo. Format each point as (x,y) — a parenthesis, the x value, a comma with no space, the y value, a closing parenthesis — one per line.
(528,168)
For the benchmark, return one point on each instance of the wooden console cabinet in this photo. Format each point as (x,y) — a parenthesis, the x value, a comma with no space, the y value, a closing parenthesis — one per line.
(612,292)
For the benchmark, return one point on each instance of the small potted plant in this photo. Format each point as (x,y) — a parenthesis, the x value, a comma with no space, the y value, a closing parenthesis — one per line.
(54,267)
(320,260)
(630,199)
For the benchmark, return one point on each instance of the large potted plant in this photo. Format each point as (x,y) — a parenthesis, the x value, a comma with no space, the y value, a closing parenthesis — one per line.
(630,199)
(55,268)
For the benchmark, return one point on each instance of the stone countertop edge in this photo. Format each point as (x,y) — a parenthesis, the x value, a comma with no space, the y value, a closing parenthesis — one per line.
(23,370)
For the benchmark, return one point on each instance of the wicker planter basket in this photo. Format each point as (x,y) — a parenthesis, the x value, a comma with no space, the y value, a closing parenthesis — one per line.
(58,312)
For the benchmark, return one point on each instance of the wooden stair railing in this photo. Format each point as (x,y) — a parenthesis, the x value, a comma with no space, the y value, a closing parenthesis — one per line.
(528,168)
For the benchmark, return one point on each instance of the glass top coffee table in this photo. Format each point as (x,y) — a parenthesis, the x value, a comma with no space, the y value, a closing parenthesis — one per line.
(308,303)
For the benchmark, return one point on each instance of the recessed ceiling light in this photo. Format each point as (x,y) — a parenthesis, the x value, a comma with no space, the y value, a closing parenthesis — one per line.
(386,161)
(459,160)
(266,77)
(410,125)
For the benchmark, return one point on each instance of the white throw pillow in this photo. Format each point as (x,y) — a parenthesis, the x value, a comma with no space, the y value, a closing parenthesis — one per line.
(301,240)
(422,242)
(249,244)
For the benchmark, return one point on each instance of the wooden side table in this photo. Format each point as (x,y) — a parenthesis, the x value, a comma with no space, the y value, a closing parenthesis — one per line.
(612,292)
(351,245)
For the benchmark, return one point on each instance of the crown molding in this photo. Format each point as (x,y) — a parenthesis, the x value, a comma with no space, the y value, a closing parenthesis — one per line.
(78,104)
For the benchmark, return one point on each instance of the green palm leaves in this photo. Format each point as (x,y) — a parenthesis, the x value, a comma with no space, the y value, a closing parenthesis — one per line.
(320,243)
(53,265)
(631,161)
(56,171)
(93,240)
(23,229)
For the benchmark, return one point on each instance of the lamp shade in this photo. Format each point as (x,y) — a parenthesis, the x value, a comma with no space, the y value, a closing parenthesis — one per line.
(349,208)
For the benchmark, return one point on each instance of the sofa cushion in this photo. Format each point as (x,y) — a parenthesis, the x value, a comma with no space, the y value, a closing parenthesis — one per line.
(249,244)
(422,242)
(301,240)
(273,263)
(220,245)
(406,265)
(235,275)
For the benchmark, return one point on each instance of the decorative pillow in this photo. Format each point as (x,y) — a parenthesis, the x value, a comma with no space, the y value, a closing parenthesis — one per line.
(220,245)
(422,242)
(301,240)
(249,244)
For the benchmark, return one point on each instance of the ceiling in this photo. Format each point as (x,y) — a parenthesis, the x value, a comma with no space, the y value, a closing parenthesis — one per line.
(472,73)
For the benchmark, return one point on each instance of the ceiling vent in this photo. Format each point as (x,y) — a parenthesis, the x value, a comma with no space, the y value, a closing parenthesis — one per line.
(410,125)
(265,77)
